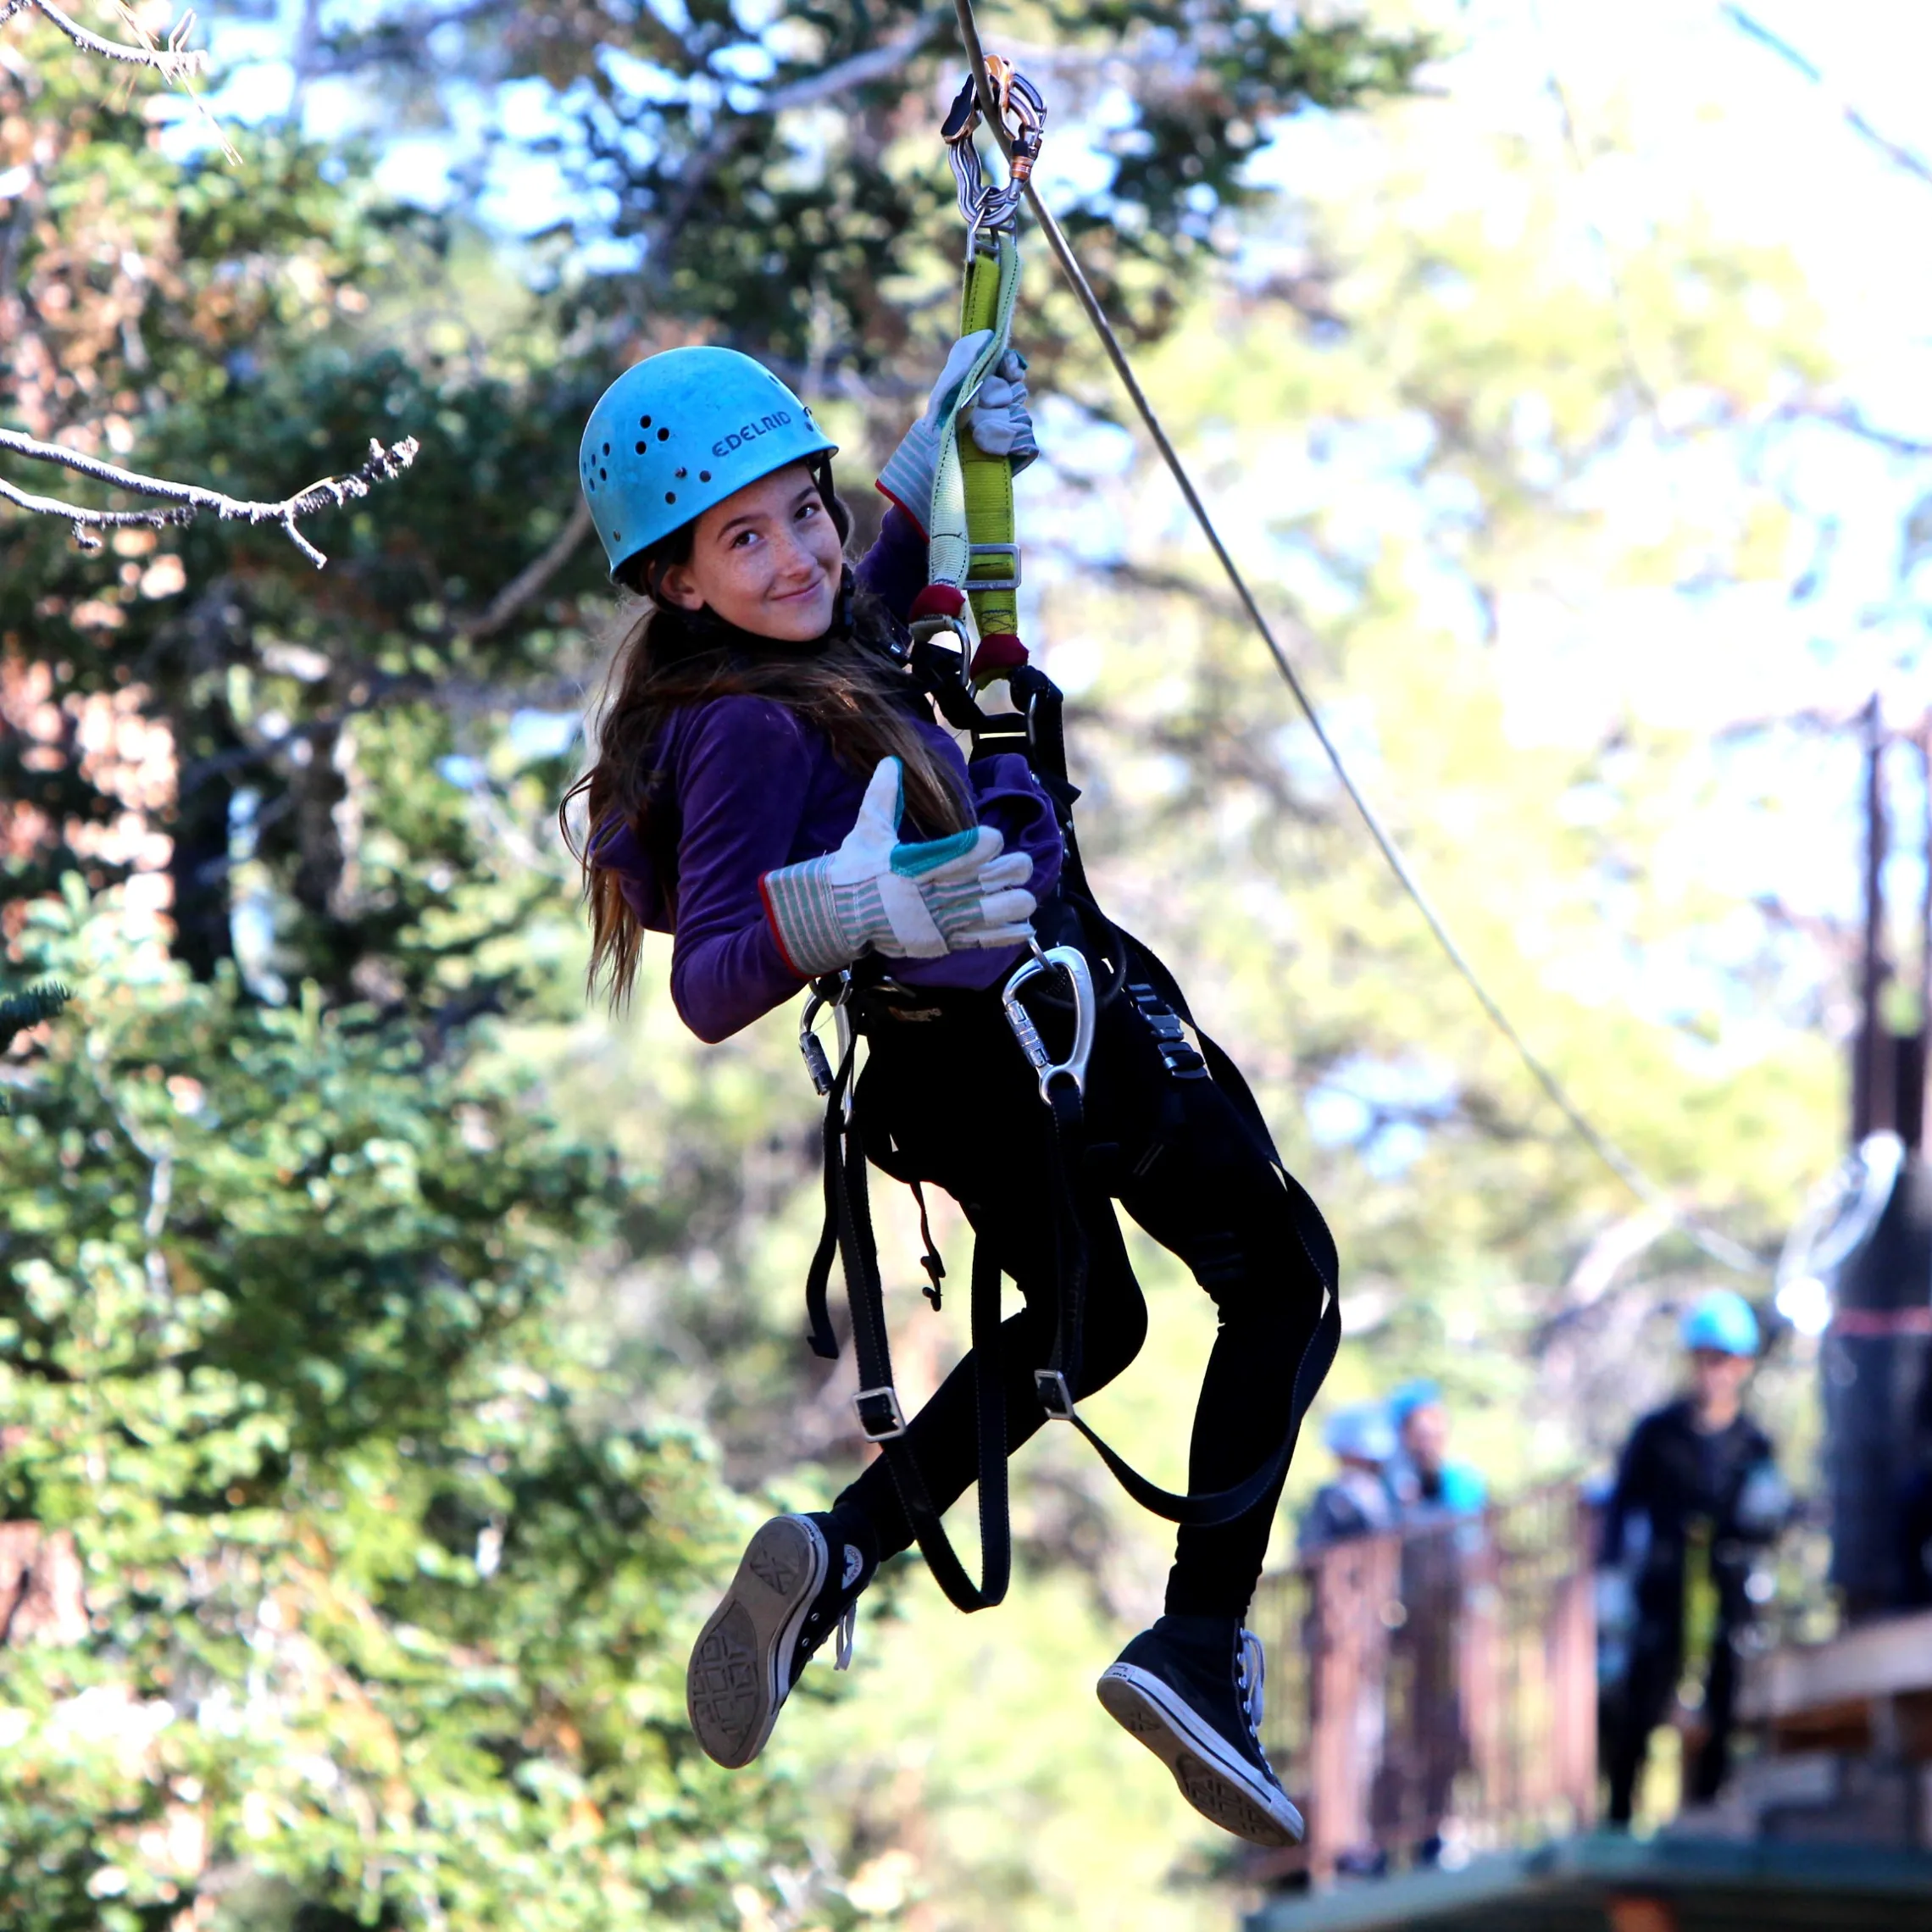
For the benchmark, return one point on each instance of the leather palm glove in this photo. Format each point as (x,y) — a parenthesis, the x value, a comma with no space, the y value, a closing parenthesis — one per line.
(906,899)
(997,418)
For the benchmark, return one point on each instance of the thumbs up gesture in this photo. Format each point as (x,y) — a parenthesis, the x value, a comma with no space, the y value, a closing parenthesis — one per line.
(914,900)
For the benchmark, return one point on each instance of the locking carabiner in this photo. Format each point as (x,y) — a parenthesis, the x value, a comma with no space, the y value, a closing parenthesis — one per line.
(1022,122)
(817,1065)
(1071,961)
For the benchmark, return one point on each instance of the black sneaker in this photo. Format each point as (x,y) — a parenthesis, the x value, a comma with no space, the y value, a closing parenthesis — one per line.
(1190,1689)
(787,1597)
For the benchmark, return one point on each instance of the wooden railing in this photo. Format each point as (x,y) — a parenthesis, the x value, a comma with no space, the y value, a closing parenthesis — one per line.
(1433,1691)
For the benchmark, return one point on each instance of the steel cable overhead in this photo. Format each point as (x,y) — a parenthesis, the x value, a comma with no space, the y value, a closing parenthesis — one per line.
(1720,1248)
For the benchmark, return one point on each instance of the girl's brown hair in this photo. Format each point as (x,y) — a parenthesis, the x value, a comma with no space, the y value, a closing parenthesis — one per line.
(668,661)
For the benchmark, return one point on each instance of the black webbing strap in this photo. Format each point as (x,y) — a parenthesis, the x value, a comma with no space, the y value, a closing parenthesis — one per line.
(879,1416)
(1058,1380)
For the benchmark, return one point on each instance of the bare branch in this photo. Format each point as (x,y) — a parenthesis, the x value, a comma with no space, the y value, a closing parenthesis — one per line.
(1900,157)
(171,59)
(191,499)
(530,580)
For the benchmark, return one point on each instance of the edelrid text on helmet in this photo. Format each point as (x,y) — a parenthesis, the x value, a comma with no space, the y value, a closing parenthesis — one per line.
(677,434)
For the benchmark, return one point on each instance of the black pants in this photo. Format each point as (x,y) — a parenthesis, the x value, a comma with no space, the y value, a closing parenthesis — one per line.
(949,1099)
(1657,1666)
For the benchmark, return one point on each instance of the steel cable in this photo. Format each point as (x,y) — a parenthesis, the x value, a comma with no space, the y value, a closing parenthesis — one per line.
(1720,1248)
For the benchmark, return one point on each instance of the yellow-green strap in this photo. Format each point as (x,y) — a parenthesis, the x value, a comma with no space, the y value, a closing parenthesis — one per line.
(988,478)
(972,497)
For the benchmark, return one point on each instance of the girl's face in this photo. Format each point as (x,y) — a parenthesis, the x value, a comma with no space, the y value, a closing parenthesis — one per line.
(767,559)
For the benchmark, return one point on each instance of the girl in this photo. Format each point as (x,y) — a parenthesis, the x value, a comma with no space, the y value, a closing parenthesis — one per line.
(771,788)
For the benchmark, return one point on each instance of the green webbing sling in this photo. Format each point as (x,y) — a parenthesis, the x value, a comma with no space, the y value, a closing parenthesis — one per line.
(972,522)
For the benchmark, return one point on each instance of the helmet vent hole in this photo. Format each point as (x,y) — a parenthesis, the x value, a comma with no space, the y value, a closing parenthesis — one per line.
(704,476)
(682,473)
(664,436)
(607,449)
(603,477)
(671,495)
(643,422)
(616,536)
(641,449)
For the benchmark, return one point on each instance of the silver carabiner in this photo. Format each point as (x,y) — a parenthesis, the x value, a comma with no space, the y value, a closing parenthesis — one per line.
(1069,960)
(813,1048)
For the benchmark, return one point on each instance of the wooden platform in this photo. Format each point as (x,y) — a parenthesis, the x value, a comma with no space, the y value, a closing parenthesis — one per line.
(1868,1689)
(1610,1883)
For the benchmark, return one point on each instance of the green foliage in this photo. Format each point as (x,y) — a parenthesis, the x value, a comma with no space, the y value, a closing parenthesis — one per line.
(812,238)
(376,1611)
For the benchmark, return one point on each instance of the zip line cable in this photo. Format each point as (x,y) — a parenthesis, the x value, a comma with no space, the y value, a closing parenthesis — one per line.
(1720,1248)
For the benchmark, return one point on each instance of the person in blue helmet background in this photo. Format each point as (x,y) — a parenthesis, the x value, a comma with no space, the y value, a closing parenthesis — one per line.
(1424,1480)
(1697,1497)
(1356,1501)
(770,786)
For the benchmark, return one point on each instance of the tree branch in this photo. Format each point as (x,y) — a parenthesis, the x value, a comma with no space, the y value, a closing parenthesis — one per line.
(191,499)
(530,580)
(170,60)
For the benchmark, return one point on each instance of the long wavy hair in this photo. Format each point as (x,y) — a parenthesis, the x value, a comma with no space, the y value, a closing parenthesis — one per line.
(670,660)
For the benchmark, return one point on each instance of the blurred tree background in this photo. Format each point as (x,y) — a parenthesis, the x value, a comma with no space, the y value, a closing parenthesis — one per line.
(400,1350)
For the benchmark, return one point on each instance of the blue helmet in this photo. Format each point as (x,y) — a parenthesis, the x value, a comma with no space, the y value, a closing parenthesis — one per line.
(678,433)
(1407,1397)
(1722,1321)
(1362,1431)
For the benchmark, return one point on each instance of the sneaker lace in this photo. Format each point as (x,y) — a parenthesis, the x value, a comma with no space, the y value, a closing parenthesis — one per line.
(1250,1673)
(848,1626)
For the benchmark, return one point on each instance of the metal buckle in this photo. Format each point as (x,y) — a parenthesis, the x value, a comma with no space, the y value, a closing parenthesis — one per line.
(1055,1396)
(893,1423)
(1069,960)
(1012,583)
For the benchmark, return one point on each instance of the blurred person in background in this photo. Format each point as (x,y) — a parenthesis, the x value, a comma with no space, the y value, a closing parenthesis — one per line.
(1356,1499)
(1424,1480)
(1696,1496)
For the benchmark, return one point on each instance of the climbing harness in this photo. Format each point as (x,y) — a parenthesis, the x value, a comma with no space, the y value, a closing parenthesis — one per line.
(1089,963)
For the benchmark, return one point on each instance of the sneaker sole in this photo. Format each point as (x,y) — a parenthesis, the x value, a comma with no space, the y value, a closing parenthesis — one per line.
(1219,1782)
(735,1683)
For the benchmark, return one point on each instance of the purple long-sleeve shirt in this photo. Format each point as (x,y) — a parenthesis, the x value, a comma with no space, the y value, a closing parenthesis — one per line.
(754,788)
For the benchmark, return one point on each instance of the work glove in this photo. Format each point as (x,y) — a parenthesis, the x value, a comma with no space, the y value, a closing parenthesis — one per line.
(912,900)
(996,419)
